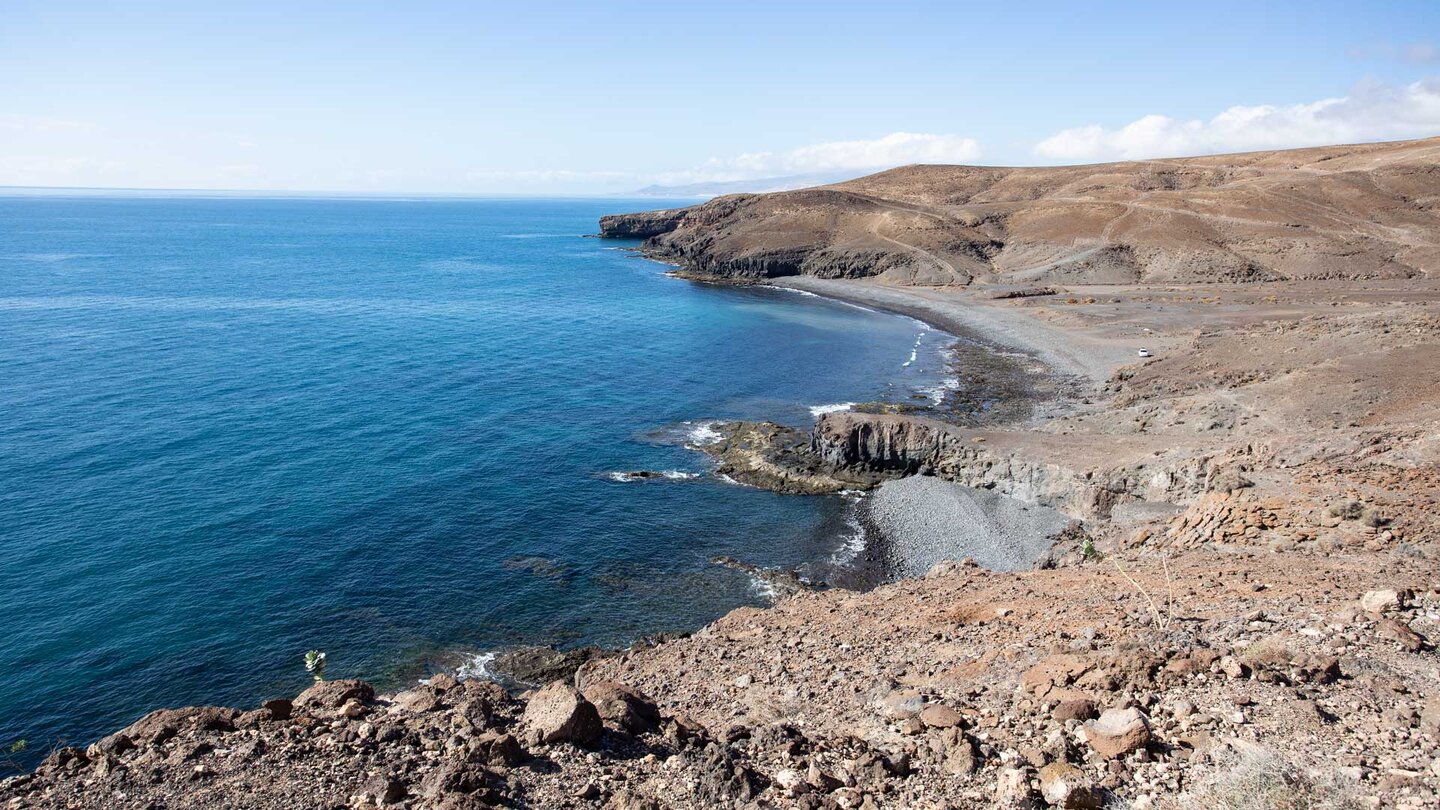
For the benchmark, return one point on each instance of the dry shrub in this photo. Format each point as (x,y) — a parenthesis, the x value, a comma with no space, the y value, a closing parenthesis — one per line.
(1256,778)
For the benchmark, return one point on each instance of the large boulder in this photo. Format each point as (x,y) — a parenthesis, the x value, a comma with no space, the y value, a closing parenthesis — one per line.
(560,714)
(327,698)
(163,725)
(1117,732)
(622,707)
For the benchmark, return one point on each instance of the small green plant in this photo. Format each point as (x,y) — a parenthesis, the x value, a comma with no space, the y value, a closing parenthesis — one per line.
(10,758)
(1162,620)
(1088,550)
(315,664)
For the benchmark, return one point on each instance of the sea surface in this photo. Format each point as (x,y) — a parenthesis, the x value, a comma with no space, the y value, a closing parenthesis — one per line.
(233,429)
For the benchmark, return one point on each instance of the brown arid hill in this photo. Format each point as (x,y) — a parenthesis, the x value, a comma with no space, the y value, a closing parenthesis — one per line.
(1338,212)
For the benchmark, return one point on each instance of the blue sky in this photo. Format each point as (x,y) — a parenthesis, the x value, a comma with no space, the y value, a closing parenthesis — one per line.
(607,97)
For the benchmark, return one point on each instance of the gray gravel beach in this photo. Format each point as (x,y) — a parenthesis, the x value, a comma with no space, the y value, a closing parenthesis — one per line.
(920,521)
(1065,352)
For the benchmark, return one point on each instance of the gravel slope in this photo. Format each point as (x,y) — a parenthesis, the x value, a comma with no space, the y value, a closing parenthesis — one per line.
(921,521)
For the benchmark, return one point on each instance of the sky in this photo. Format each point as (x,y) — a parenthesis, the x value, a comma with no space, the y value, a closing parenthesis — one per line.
(608,97)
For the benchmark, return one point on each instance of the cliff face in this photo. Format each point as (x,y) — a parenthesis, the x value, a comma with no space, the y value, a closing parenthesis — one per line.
(642,225)
(1349,212)
(895,444)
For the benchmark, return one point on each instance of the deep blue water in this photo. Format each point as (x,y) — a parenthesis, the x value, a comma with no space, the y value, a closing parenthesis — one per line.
(235,429)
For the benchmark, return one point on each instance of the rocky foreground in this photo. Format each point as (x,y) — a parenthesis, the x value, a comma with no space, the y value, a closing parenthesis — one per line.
(1211,677)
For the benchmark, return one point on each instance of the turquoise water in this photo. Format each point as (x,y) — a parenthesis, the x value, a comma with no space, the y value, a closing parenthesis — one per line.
(235,429)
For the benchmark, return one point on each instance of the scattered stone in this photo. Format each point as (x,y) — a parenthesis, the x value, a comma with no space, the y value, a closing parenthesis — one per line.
(938,716)
(1064,785)
(902,703)
(1384,600)
(1117,732)
(1012,789)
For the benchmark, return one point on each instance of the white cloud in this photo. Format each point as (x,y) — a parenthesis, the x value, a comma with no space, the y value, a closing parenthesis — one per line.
(895,149)
(40,125)
(1371,112)
(1416,53)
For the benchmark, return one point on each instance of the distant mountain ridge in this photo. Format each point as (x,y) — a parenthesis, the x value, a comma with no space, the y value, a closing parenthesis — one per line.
(761,185)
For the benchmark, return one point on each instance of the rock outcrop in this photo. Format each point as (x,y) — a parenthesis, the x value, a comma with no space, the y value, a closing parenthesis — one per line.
(642,225)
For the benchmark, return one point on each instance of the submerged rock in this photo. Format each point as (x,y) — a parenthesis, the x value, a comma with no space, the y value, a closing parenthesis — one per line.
(781,582)
(537,665)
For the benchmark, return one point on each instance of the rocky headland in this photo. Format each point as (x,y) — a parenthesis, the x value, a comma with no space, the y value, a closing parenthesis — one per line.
(1344,212)
(1225,549)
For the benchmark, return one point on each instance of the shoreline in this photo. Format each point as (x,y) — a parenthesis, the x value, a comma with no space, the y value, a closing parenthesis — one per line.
(1063,351)
(902,521)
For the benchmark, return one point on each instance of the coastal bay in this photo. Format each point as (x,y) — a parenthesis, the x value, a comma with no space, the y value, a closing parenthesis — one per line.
(395,430)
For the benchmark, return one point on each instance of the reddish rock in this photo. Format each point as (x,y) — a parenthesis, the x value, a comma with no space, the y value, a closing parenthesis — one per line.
(622,707)
(326,698)
(938,716)
(1117,732)
(560,714)
(1400,633)
(1075,709)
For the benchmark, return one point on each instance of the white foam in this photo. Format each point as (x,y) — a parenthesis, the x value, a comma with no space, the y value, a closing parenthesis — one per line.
(914,351)
(790,289)
(702,434)
(761,588)
(937,393)
(818,411)
(477,668)
(630,477)
(853,542)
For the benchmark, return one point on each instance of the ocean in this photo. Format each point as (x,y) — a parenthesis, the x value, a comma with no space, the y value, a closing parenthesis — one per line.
(233,429)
